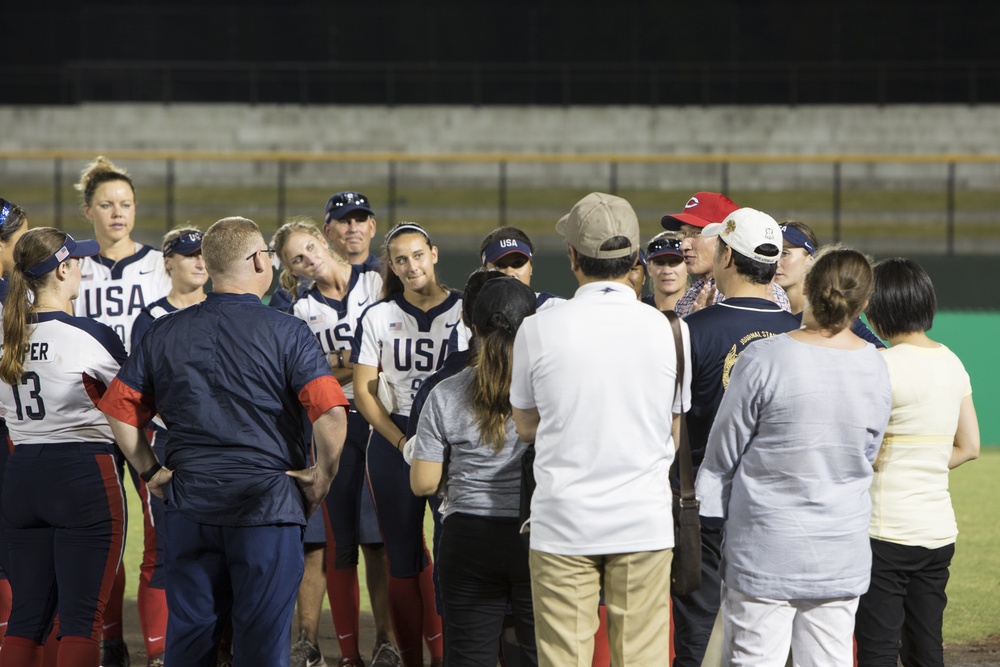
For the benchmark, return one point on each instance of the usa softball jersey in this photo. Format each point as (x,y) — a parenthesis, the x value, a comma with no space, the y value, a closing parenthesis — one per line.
(407,343)
(333,322)
(63,501)
(115,292)
(69,362)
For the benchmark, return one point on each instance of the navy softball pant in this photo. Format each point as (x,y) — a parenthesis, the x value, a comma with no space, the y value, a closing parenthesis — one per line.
(251,571)
(343,502)
(400,513)
(64,520)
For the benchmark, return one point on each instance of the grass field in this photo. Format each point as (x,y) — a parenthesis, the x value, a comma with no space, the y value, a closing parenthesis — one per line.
(974,590)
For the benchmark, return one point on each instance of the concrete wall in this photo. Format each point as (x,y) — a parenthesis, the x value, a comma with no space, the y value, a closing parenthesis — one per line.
(639,130)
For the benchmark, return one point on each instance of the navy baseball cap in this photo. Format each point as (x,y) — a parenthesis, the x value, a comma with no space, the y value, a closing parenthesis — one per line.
(340,205)
(664,244)
(186,244)
(502,248)
(796,238)
(70,248)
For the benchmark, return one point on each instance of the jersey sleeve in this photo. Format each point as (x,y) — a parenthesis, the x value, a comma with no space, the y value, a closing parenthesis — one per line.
(366,348)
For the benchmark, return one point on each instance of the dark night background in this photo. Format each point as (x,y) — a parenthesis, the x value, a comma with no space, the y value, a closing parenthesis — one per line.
(554,52)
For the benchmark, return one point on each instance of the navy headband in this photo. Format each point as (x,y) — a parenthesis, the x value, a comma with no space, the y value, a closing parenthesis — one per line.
(70,248)
(796,238)
(185,244)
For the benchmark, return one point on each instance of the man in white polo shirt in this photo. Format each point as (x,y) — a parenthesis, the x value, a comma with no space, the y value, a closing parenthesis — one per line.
(603,448)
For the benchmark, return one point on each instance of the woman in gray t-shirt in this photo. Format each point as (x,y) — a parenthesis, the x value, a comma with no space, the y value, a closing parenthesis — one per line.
(466,447)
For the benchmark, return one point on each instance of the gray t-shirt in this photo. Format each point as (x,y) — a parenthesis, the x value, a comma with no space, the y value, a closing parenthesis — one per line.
(477,480)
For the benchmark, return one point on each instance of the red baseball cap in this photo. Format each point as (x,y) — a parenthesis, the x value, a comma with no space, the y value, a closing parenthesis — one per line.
(702,209)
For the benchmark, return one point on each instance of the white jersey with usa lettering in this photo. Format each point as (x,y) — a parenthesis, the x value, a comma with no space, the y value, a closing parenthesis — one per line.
(405,343)
(333,322)
(70,361)
(115,292)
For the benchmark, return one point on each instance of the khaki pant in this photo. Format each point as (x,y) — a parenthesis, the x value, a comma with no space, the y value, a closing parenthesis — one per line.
(565,592)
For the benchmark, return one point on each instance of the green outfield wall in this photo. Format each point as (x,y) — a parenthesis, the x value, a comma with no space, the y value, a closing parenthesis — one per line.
(971,334)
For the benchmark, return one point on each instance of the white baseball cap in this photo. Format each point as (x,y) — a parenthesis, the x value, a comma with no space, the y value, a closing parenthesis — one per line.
(746,229)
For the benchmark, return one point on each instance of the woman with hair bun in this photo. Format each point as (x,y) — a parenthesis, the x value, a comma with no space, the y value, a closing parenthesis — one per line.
(788,465)
(63,501)
(117,284)
(933,430)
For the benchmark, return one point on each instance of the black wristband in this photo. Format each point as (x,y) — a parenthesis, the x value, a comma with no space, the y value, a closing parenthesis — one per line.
(150,472)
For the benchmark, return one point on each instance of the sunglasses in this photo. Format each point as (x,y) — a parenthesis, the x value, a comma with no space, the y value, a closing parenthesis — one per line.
(346,199)
(660,245)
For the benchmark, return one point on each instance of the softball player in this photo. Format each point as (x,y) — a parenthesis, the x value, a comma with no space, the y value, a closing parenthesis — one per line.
(115,286)
(63,500)
(330,302)
(184,264)
(405,334)
(509,251)
(13,224)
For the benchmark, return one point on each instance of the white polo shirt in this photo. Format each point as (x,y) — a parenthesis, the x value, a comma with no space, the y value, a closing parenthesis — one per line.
(603,448)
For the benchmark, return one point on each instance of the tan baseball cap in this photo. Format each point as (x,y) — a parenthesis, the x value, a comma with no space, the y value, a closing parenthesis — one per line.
(597,218)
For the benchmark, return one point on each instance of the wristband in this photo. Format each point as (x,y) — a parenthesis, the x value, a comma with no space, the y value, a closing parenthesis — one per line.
(340,358)
(402,440)
(149,473)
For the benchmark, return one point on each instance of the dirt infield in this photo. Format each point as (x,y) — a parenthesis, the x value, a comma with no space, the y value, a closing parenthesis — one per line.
(978,654)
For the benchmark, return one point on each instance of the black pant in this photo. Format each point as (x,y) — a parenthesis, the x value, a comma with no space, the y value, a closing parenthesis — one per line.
(694,614)
(484,567)
(902,612)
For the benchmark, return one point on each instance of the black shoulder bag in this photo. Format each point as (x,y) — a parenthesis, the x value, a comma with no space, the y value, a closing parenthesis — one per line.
(685,569)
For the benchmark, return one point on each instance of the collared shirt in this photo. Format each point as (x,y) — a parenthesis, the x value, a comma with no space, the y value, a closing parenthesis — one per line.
(229,376)
(603,448)
(685,305)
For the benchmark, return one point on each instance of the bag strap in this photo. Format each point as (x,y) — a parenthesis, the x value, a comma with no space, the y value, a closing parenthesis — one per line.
(684,467)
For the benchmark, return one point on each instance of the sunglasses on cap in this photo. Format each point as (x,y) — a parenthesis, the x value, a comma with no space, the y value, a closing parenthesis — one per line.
(666,244)
(342,199)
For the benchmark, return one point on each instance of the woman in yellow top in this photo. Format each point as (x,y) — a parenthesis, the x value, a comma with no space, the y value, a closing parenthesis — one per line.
(932,429)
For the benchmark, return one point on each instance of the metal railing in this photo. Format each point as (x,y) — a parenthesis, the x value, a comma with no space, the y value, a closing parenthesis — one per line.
(948,178)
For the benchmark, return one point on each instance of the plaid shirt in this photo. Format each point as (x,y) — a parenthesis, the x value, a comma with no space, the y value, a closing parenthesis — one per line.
(685,305)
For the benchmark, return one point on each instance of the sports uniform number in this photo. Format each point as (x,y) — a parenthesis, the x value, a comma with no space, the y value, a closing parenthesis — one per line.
(35,410)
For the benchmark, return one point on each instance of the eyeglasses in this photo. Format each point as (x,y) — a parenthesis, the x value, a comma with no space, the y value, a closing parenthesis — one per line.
(270,253)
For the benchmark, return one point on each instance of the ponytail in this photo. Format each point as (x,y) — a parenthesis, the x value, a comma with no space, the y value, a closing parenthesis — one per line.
(35,246)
